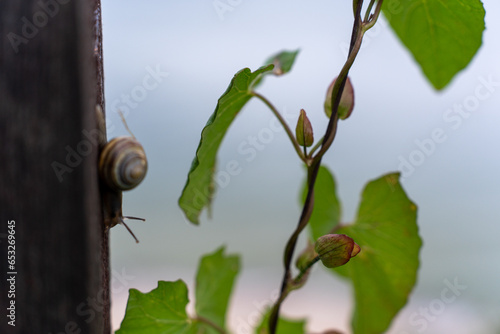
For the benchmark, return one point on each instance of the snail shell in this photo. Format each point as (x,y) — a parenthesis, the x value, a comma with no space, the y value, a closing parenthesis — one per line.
(123,164)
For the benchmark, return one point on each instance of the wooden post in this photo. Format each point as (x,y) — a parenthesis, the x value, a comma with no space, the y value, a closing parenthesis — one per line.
(49,194)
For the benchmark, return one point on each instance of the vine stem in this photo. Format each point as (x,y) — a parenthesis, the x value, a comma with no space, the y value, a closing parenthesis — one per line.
(211,324)
(370,6)
(338,87)
(304,270)
(280,118)
(374,17)
(315,147)
(359,28)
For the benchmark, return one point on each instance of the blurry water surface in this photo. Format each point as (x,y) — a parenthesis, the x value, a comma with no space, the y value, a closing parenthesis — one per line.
(195,52)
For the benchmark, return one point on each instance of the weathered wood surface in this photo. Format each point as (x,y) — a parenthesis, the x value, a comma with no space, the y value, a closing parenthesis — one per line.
(48,177)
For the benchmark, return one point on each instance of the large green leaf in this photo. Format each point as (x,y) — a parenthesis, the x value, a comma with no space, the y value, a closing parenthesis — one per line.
(214,284)
(385,271)
(443,36)
(285,326)
(161,311)
(327,210)
(199,188)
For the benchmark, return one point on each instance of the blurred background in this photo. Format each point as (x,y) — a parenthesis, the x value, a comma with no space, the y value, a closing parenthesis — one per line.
(195,51)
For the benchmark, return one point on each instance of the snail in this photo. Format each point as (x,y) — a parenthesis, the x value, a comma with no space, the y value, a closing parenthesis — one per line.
(122,166)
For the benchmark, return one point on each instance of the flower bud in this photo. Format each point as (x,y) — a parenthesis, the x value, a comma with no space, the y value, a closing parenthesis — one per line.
(356,249)
(346,101)
(335,250)
(304,131)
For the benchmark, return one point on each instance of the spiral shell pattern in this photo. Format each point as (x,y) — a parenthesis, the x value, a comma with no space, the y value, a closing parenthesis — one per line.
(123,164)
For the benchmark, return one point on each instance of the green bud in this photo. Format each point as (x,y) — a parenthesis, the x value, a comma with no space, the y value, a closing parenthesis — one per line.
(335,250)
(304,130)
(346,101)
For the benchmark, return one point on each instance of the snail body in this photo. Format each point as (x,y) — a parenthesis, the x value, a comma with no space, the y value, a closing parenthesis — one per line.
(122,166)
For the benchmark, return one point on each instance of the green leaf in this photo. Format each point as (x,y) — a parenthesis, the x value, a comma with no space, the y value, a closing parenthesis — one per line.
(163,310)
(285,326)
(443,36)
(326,213)
(282,61)
(199,188)
(384,272)
(214,284)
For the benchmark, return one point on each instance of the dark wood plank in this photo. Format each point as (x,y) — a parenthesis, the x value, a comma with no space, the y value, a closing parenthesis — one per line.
(48,178)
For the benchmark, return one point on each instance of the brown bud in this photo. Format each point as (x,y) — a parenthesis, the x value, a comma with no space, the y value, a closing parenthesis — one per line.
(335,250)
(356,249)
(346,101)
(304,131)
